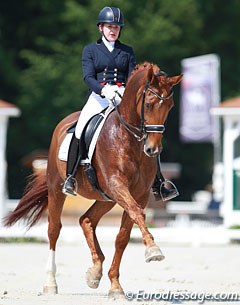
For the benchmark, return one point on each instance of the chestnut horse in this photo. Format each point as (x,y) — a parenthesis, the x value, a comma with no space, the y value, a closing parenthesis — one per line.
(125,164)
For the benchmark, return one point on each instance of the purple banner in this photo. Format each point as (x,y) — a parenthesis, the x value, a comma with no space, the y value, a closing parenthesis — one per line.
(199,92)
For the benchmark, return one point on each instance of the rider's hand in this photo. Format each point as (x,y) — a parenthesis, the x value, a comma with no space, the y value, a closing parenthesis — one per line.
(111,92)
(108,92)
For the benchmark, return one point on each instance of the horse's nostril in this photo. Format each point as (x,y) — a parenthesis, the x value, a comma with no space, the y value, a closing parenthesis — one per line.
(151,151)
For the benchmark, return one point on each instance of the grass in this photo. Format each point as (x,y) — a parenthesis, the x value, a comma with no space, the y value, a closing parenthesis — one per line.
(235,227)
(9,240)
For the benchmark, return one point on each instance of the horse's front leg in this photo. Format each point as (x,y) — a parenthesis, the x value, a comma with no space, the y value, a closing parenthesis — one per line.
(120,245)
(88,223)
(120,193)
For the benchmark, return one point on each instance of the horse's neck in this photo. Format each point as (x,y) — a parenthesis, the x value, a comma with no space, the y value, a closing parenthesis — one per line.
(128,107)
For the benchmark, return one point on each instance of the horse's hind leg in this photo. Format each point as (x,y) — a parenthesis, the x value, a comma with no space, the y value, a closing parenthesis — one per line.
(88,223)
(55,205)
(120,245)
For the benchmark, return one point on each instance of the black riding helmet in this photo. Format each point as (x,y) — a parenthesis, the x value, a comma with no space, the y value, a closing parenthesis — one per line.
(110,14)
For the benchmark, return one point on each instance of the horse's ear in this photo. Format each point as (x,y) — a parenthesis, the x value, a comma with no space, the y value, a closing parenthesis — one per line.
(174,80)
(150,75)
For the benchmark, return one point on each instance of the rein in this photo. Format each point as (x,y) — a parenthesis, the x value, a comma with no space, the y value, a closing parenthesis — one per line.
(144,129)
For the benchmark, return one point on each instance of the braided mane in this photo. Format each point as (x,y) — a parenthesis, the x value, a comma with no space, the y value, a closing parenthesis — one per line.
(145,66)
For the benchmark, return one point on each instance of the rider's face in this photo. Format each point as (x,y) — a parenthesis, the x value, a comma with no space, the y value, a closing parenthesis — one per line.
(110,31)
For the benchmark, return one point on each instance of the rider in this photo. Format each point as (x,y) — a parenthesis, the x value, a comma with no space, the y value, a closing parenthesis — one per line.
(106,66)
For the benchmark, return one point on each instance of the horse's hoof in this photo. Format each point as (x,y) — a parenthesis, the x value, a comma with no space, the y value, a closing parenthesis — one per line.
(116,294)
(92,279)
(50,289)
(153,253)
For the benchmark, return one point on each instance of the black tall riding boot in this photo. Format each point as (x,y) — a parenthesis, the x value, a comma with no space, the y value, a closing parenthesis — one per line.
(159,187)
(74,157)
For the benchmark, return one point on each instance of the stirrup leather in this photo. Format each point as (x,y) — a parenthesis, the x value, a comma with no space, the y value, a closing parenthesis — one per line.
(174,191)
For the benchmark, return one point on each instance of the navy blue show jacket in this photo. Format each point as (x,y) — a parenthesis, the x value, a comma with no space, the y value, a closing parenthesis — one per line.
(102,66)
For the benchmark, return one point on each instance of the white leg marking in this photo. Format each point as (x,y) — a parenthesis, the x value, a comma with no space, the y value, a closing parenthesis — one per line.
(51,284)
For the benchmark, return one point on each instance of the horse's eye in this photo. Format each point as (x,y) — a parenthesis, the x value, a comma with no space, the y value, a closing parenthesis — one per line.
(149,106)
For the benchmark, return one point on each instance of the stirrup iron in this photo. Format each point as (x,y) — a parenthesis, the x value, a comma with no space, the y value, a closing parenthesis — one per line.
(75,183)
(173,190)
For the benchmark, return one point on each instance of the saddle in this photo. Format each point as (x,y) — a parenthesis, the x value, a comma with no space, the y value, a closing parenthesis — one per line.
(88,132)
(87,140)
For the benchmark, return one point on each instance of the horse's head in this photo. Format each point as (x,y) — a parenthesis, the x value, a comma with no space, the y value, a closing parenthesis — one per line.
(154,101)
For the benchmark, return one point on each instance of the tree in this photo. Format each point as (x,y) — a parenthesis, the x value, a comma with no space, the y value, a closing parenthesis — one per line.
(41,44)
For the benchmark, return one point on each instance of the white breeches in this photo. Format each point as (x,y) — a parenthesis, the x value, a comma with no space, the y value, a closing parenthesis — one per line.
(94,105)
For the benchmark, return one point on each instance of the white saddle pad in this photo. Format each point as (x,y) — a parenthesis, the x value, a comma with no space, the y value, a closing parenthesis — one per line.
(64,147)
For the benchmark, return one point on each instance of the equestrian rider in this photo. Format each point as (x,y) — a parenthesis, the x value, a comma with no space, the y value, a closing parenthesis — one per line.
(106,66)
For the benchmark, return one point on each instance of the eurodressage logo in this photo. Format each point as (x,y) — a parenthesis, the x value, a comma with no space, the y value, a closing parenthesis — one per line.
(141,295)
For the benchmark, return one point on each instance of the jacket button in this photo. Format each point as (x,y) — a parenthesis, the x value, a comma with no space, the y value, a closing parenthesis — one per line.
(115,69)
(104,78)
(114,79)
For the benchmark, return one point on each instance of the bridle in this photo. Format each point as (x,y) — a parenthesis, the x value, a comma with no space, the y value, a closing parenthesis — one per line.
(144,129)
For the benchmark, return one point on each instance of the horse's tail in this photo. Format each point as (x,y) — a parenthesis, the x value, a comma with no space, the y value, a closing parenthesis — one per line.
(33,203)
